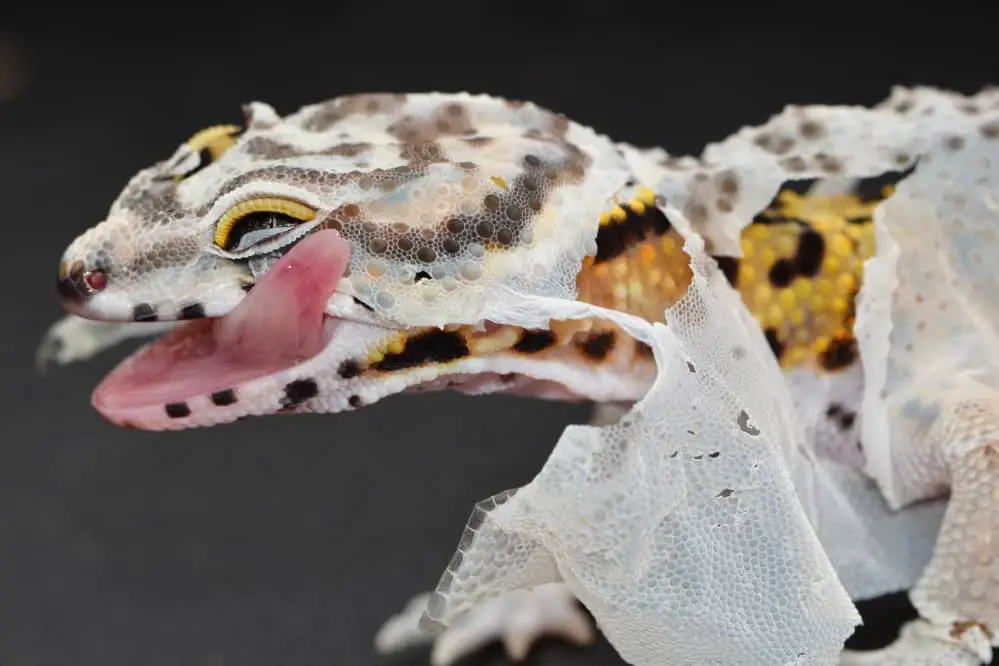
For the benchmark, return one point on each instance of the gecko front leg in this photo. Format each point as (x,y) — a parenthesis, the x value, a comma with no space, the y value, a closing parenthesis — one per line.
(73,339)
(517,619)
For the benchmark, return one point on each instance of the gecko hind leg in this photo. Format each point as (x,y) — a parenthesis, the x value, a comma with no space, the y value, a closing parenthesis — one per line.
(957,594)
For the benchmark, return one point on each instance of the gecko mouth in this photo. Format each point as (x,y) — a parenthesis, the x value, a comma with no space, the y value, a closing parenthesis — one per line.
(279,324)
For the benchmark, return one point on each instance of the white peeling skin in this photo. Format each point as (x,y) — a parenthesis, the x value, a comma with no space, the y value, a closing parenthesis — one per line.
(671,554)
(657,523)
(929,331)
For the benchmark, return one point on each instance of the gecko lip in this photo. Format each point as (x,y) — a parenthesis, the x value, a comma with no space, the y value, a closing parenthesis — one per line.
(279,324)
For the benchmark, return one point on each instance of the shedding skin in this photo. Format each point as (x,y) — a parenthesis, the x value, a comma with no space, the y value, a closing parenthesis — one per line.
(439,194)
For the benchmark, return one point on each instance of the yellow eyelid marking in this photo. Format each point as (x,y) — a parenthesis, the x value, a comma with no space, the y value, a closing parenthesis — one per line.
(499,182)
(294,209)
(217,139)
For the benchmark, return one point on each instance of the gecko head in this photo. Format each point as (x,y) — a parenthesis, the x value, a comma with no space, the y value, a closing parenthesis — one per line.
(348,252)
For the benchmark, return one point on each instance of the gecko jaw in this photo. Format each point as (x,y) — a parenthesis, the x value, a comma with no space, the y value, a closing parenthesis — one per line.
(276,327)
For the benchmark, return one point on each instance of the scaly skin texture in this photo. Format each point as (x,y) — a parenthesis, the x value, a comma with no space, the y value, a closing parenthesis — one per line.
(445,199)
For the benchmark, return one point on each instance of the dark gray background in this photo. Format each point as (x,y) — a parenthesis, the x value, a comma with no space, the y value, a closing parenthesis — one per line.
(288,540)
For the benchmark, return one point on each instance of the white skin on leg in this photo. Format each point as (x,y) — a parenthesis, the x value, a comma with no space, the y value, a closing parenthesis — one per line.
(517,619)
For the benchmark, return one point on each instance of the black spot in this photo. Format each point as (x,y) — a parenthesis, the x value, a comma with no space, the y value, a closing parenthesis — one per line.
(808,257)
(354,401)
(727,492)
(349,369)
(300,390)
(597,345)
(531,342)
(421,275)
(730,268)
(781,273)
(843,418)
(434,346)
(144,312)
(363,304)
(204,159)
(617,237)
(178,410)
(872,188)
(223,398)
(776,346)
(743,422)
(714,454)
(691,367)
(839,354)
(192,311)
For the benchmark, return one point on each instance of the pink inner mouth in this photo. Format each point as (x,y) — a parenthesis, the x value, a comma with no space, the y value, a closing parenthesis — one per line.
(279,324)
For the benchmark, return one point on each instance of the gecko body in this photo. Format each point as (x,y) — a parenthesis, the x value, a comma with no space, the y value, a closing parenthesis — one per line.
(446,200)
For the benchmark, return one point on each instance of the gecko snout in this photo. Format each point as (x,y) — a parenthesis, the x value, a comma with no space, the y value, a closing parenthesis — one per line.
(77,283)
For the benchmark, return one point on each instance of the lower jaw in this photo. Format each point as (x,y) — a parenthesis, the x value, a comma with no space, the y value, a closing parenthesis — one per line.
(183,379)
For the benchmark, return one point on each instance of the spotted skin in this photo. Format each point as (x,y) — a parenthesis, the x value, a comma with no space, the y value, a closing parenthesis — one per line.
(443,196)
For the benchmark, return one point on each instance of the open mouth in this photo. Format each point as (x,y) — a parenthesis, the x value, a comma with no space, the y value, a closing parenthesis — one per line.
(279,324)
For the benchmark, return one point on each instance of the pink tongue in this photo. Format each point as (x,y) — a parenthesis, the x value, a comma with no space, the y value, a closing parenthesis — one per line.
(281,320)
(279,324)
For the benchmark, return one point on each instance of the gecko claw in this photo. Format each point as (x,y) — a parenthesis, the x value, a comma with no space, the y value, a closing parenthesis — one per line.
(517,619)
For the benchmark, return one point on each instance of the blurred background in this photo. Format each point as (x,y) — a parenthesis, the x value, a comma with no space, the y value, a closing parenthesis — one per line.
(289,540)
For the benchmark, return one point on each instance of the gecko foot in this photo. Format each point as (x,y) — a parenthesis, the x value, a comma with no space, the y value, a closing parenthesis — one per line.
(518,619)
(923,644)
(73,339)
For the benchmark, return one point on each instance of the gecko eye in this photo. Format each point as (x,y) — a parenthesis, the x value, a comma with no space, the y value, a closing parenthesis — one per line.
(210,144)
(249,225)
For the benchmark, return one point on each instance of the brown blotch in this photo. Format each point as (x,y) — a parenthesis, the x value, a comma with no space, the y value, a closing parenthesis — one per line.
(616,238)
(348,149)
(478,141)
(795,163)
(340,108)
(596,345)
(811,129)
(418,154)
(534,341)
(728,183)
(828,163)
(990,130)
(840,353)
(349,369)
